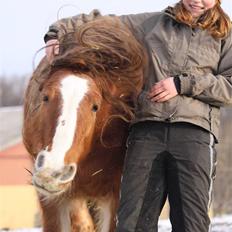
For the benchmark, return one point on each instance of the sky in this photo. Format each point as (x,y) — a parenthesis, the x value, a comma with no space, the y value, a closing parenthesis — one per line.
(23,24)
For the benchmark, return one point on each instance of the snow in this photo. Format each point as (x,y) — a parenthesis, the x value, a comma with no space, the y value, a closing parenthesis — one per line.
(219,224)
(222,224)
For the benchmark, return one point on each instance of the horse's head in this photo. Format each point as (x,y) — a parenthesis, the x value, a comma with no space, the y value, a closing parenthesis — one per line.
(104,64)
(65,122)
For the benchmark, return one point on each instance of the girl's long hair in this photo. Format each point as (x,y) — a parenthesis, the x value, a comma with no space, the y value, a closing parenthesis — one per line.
(215,20)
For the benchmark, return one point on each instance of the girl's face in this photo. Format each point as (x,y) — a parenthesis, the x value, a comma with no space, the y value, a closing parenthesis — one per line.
(198,7)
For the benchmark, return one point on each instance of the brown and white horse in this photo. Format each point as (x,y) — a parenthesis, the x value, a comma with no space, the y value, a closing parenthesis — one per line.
(75,125)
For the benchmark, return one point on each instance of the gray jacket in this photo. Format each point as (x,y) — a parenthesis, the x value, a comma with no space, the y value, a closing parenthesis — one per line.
(203,64)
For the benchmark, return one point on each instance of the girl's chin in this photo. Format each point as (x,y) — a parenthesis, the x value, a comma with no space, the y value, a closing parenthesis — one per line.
(195,12)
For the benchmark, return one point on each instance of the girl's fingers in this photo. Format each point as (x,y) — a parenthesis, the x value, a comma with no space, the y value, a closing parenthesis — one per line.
(159,96)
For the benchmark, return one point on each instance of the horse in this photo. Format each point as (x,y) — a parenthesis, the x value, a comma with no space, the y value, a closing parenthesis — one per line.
(77,112)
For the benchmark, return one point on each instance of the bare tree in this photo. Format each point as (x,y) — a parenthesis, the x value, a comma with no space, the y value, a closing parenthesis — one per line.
(223,183)
(12,90)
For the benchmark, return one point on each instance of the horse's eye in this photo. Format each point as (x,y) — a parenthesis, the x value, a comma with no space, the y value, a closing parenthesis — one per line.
(95,108)
(45,98)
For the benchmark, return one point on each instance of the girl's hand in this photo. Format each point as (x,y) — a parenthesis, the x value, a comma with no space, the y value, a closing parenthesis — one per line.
(52,49)
(163,90)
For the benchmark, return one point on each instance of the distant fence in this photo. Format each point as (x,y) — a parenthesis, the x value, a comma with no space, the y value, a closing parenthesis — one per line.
(10,125)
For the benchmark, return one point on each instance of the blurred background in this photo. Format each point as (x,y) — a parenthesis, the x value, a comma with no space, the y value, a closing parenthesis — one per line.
(23,24)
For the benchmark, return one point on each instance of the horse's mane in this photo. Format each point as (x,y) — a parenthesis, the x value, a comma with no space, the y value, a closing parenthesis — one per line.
(106,50)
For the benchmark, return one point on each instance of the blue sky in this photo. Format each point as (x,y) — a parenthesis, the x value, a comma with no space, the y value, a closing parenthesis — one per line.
(24,22)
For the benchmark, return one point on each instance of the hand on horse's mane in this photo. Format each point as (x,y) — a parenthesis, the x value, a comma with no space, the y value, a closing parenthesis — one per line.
(51,49)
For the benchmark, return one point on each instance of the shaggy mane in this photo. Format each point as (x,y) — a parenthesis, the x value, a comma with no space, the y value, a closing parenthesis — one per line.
(105,50)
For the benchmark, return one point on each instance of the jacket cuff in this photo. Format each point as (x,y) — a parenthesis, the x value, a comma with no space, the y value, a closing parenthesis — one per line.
(177,84)
(186,84)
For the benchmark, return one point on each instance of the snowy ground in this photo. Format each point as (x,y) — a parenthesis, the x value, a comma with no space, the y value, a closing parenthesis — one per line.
(219,224)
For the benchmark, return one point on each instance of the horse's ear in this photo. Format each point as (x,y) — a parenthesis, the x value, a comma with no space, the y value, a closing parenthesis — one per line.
(81,62)
(81,67)
(41,87)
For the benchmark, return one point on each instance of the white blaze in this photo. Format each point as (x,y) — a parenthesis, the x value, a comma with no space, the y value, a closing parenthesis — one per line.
(73,89)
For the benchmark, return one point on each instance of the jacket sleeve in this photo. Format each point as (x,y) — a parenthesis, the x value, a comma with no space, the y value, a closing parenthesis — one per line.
(138,22)
(58,29)
(213,89)
(66,25)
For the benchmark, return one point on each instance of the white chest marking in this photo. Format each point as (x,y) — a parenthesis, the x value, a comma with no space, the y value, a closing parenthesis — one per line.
(65,222)
(105,215)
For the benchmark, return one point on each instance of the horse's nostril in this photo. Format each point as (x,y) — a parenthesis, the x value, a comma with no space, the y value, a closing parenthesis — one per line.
(69,172)
(40,161)
(56,174)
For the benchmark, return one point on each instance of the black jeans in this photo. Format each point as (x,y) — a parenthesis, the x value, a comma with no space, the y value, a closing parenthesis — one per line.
(163,160)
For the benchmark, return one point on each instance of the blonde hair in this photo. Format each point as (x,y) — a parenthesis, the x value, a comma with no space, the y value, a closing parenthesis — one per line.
(215,20)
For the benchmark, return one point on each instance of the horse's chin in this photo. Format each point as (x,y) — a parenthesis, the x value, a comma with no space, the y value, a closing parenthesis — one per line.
(50,190)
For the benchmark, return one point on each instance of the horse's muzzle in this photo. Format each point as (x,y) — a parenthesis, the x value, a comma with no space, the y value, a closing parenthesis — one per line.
(49,181)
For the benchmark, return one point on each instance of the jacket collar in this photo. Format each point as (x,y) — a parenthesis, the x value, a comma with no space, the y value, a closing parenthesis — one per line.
(169,11)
